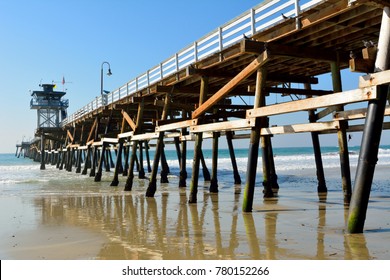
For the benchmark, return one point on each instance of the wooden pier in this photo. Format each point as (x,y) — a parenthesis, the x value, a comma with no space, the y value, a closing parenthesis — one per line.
(278,47)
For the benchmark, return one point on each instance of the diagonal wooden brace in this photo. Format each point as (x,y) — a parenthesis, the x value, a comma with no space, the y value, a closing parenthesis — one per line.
(244,74)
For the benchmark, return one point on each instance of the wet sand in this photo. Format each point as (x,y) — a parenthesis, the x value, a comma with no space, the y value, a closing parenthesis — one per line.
(102,222)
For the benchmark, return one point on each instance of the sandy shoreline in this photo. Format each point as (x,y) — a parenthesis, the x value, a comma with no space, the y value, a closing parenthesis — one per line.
(106,223)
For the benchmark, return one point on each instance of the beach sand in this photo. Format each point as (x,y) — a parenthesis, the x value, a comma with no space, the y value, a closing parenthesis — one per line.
(102,222)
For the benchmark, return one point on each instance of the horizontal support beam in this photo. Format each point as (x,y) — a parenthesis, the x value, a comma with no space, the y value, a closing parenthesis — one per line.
(73,146)
(110,140)
(325,112)
(340,98)
(375,79)
(126,134)
(300,128)
(177,125)
(360,127)
(224,126)
(172,135)
(355,114)
(145,136)
(98,143)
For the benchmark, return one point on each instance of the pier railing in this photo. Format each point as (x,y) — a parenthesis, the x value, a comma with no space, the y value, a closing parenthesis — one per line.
(264,15)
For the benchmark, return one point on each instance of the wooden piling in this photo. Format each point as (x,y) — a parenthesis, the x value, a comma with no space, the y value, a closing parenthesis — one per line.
(98,175)
(176,140)
(321,186)
(147,156)
(130,176)
(253,152)
(266,159)
(204,85)
(112,164)
(63,159)
(164,167)
(274,186)
(107,159)
(87,161)
(126,166)
(78,160)
(236,174)
(141,171)
(342,139)
(137,128)
(368,155)
(59,150)
(115,180)
(42,151)
(160,142)
(205,170)
(183,160)
(92,172)
(70,159)
(214,178)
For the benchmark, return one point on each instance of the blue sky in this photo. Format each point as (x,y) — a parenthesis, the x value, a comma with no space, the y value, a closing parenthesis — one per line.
(44,41)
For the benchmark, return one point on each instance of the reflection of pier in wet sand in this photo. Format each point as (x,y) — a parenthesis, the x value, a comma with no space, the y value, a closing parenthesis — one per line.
(167,227)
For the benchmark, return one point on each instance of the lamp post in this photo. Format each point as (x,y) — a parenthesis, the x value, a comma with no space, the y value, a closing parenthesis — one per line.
(109,73)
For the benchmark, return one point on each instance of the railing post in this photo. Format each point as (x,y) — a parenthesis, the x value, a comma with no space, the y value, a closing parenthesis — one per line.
(161,71)
(177,61)
(196,51)
(220,39)
(297,12)
(253,27)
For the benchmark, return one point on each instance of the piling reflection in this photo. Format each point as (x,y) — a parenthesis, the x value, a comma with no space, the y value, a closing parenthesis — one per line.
(322,198)
(167,227)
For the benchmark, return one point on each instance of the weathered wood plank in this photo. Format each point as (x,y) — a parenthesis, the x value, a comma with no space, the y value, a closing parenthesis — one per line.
(129,120)
(110,140)
(245,73)
(355,114)
(70,135)
(145,136)
(222,126)
(125,134)
(340,98)
(95,123)
(177,125)
(299,128)
(98,143)
(375,79)
(172,135)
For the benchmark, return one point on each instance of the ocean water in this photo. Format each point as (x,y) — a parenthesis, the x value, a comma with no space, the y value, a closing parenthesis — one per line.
(289,163)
